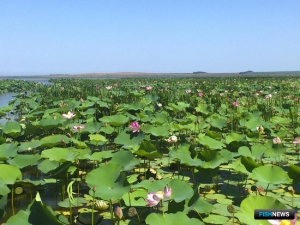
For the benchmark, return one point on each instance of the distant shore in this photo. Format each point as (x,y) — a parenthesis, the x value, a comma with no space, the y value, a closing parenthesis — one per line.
(153,75)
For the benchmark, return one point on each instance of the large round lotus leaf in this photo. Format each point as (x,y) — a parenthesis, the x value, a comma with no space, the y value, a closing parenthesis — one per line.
(129,141)
(110,183)
(248,205)
(27,146)
(153,186)
(266,174)
(235,137)
(210,142)
(252,124)
(22,161)
(217,121)
(215,219)
(13,129)
(20,218)
(46,165)
(181,190)
(135,198)
(79,144)
(77,202)
(239,167)
(159,131)
(90,111)
(64,154)
(212,159)
(107,129)
(54,140)
(280,120)
(171,219)
(126,159)
(4,190)
(115,120)
(203,108)
(294,173)
(97,138)
(50,122)
(99,156)
(9,174)
(258,150)
(183,154)
(245,151)
(148,150)
(8,150)
(92,127)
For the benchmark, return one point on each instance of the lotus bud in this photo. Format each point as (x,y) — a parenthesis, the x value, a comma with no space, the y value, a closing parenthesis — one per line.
(276,141)
(167,192)
(291,190)
(94,189)
(118,213)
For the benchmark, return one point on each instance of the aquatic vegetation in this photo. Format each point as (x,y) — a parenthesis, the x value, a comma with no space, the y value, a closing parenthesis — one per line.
(194,150)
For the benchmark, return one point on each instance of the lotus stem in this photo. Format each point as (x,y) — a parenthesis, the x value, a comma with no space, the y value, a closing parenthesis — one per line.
(12,200)
(111,211)
(267,189)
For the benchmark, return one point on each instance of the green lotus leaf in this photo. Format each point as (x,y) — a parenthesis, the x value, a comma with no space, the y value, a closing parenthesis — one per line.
(266,174)
(77,202)
(239,167)
(129,141)
(4,190)
(97,138)
(135,198)
(7,108)
(64,154)
(159,131)
(22,161)
(197,204)
(79,144)
(294,173)
(211,159)
(92,127)
(177,190)
(99,156)
(46,165)
(28,146)
(148,150)
(152,186)
(210,142)
(217,121)
(126,159)
(251,203)
(115,120)
(90,111)
(245,151)
(258,150)
(9,173)
(280,120)
(8,150)
(170,219)
(203,108)
(13,129)
(54,140)
(20,218)
(50,122)
(183,154)
(110,182)
(235,137)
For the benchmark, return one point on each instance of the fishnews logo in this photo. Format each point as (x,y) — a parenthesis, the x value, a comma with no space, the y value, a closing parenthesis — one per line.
(266,214)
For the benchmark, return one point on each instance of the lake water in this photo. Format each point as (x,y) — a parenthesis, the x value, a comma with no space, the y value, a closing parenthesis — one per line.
(4,100)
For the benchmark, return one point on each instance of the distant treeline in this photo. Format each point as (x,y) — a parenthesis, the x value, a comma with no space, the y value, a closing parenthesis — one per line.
(249,71)
(197,72)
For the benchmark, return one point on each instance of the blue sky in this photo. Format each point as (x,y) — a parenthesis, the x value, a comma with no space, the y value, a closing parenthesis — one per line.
(170,36)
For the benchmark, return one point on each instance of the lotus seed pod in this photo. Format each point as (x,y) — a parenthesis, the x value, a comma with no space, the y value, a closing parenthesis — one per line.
(132,212)
(18,190)
(231,209)
(207,188)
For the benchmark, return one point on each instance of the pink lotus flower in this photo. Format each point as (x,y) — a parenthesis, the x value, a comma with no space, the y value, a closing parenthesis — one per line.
(188,91)
(135,127)
(69,115)
(284,222)
(296,141)
(149,88)
(236,103)
(268,96)
(154,198)
(167,192)
(200,94)
(116,84)
(78,128)
(276,141)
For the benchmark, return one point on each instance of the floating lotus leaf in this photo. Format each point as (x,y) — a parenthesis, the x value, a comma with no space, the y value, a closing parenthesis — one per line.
(159,131)
(22,161)
(129,141)
(183,154)
(235,137)
(46,165)
(13,129)
(266,174)
(77,202)
(248,205)
(9,173)
(8,150)
(294,173)
(126,159)
(64,154)
(97,138)
(4,190)
(210,142)
(170,219)
(135,198)
(110,182)
(54,140)
(115,120)
(215,219)
(148,150)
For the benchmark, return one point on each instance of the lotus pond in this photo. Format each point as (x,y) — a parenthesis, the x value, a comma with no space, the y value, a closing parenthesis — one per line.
(150,151)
